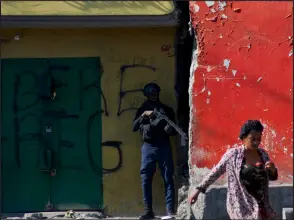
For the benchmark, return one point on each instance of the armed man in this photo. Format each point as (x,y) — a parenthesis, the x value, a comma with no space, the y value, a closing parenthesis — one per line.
(156,148)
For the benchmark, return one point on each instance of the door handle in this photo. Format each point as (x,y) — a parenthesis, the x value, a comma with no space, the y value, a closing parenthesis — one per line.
(48,159)
(52,172)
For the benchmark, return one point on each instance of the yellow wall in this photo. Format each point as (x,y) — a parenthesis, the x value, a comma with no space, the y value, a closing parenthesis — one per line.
(115,47)
(86,7)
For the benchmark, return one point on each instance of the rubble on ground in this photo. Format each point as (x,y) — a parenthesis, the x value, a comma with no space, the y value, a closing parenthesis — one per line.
(68,215)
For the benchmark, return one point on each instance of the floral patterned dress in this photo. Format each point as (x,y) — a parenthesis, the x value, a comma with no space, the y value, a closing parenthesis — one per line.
(240,203)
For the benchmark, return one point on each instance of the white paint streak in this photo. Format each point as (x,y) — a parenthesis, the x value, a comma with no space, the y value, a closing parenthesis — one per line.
(244,77)
(209,68)
(283,138)
(202,91)
(224,16)
(207,101)
(196,8)
(221,5)
(226,63)
(220,36)
(291,53)
(238,85)
(259,79)
(225,78)
(209,93)
(209,3)
(274,133)
(212,10)
(291,155)
(234,72)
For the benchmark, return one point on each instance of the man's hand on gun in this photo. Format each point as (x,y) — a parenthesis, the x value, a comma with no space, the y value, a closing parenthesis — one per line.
(148,113)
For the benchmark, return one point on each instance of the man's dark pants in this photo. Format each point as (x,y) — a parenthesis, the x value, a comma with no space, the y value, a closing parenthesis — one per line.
(162,154)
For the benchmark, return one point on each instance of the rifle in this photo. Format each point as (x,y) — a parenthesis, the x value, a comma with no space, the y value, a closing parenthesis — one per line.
(161,114)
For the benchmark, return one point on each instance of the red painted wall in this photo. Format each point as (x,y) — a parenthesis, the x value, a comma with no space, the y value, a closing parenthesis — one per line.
(244,71)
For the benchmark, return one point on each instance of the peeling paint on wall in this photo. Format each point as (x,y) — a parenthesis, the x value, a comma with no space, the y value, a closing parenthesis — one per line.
(221,5)
(227,63)
(196,8)
(291,53)
(241,57)
(209,3)
(224,16)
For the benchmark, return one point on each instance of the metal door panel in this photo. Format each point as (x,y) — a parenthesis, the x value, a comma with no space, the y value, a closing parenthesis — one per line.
(63,134)
(24,187)
(78,181)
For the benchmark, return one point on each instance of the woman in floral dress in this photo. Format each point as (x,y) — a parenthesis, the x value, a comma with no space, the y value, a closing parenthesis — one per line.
(249,171)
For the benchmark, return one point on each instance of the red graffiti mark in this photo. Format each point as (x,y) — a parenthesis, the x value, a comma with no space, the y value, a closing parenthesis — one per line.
(167,49)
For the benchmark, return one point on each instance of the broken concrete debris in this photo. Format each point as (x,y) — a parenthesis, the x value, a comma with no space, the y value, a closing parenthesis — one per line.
(68,215)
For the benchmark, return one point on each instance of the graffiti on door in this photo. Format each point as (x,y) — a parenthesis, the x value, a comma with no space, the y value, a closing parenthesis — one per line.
(53,126)
(38,96)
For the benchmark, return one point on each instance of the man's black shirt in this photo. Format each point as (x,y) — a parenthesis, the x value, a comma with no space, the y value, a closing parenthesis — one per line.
(139,121)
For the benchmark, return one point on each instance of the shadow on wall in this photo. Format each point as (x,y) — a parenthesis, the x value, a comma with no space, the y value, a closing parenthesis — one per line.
(88,5)
(213,204)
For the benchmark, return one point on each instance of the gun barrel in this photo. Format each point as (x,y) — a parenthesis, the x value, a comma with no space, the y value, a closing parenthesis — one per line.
(170,122)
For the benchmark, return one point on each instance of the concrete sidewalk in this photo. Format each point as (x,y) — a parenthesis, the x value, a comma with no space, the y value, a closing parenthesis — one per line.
(64,215)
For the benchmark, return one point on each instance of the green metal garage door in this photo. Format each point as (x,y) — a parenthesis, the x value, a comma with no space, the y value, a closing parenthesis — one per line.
(51,148)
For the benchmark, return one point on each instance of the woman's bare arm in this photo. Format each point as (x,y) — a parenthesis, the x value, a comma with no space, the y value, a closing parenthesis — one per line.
(216,171)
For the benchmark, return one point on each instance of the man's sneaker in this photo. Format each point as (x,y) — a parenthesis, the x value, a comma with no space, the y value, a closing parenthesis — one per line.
(147,215)
(170,215)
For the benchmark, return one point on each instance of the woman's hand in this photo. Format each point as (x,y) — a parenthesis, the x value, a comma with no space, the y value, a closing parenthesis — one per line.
(193,197)
(269,165)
